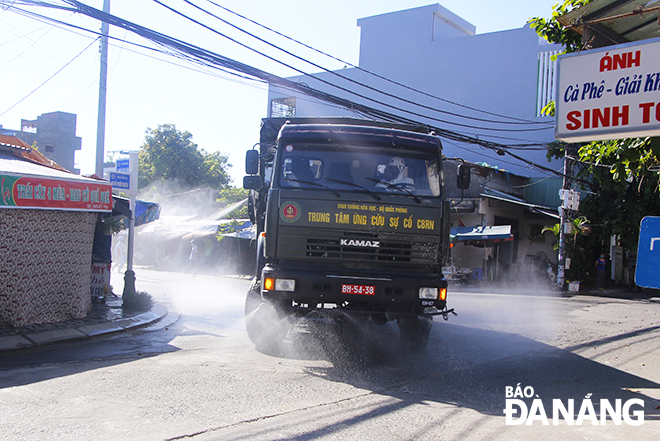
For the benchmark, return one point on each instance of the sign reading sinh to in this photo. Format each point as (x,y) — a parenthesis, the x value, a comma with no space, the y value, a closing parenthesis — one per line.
(609,93)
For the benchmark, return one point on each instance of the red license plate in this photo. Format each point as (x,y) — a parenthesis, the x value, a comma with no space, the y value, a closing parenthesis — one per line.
(363,290)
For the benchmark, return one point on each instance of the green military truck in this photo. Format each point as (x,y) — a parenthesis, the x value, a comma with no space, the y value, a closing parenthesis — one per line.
(351,221)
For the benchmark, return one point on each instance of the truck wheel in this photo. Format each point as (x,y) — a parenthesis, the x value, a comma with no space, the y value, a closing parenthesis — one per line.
(414,331)
(266,324)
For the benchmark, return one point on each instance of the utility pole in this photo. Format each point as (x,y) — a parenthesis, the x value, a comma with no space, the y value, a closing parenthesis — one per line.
(103,85)
(564,218)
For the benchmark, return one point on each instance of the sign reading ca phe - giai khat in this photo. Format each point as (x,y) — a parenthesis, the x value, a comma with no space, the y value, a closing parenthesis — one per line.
(46,193)
(609,93)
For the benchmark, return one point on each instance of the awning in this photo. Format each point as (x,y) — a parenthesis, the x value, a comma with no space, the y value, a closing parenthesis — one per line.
(145,212)
(481,233)
(614,21)
(540,209)
(187,227)
(249,233)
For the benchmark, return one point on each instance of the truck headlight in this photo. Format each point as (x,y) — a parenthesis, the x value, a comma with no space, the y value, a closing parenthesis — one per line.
(428,293)
(271,284)
(285,285)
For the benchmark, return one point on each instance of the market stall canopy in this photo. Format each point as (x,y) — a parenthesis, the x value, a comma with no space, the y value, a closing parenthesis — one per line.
(187,227)
(481,235)
(614,21)
(145,212)
(248,232)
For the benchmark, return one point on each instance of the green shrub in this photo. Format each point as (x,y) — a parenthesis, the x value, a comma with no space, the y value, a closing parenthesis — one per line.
(141,301)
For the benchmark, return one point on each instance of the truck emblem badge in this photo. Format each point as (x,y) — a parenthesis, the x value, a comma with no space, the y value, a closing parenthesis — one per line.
(290,212)
(360,243)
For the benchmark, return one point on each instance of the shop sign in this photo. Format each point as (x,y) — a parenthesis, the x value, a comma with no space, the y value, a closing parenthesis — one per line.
(57,194)
(100,282)
(609,93)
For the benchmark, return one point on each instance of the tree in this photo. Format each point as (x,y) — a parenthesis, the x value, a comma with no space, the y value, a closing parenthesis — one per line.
(169,155)
(554,32)
(629,158)
(579,253)
(579,225)
(616,206)
(230,196)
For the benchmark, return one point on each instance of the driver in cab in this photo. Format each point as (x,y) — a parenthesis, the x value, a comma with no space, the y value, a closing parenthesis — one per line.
(396,173)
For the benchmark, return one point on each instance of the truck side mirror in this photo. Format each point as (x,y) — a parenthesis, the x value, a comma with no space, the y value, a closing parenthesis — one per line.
(252,162)
(253,182)
(463,177)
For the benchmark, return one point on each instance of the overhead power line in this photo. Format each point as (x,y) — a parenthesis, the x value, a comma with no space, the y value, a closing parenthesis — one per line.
(49,78)
(520,120)
(343,89)
(338,74)
(208,58)
(73,28)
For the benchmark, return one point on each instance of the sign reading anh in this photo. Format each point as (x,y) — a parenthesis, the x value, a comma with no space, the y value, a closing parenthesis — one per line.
(648,253)
(609,93)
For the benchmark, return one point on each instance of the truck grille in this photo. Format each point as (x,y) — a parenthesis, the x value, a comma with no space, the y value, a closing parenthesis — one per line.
(353,249)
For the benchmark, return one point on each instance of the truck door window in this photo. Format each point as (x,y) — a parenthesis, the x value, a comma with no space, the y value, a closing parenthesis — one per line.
(300,168)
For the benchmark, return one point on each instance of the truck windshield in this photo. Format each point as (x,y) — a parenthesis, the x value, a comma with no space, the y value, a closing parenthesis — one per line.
(359,169)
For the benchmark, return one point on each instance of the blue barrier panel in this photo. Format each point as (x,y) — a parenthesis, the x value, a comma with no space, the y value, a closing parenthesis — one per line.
(647,273)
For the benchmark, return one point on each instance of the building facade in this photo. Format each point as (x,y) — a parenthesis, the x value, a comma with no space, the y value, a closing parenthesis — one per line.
(491,86)
(55,136)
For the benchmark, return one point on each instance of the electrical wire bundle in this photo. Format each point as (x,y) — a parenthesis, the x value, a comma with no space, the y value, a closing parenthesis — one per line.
(395,113)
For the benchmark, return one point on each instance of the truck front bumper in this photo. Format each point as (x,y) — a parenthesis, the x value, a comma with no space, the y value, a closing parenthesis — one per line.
(400,293)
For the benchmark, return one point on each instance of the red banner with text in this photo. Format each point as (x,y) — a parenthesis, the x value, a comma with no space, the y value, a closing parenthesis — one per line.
(57,194)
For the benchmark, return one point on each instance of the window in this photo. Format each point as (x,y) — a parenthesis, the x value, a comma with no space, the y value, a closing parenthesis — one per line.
(547,68)
(360,169)
(283,107)
(49,148)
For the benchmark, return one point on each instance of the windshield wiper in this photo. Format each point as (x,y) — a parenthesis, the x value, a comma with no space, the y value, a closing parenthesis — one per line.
(374,195)
(395,187)
(315,185)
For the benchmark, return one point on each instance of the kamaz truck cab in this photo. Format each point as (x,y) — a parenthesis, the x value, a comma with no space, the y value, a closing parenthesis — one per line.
(352,220)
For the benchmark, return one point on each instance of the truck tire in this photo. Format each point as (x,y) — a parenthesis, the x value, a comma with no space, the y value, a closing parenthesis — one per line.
(414,332)
(266,325)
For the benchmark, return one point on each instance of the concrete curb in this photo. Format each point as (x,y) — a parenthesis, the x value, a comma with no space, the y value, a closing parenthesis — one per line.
(41,338)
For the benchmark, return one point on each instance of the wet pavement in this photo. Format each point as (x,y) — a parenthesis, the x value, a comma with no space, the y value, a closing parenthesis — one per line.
(104,318)
(110,317)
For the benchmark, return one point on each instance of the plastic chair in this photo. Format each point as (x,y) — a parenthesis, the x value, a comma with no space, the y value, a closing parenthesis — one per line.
(478,274)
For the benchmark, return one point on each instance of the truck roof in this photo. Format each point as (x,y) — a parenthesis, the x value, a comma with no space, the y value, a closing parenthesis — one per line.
(340,134)
(270,127)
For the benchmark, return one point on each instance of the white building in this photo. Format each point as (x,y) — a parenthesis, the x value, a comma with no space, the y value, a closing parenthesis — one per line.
(437,52)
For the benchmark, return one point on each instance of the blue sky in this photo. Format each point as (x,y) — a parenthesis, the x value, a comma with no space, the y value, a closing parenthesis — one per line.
(221,111)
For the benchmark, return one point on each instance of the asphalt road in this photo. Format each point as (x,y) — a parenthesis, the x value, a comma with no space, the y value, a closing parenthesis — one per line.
(196,375)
